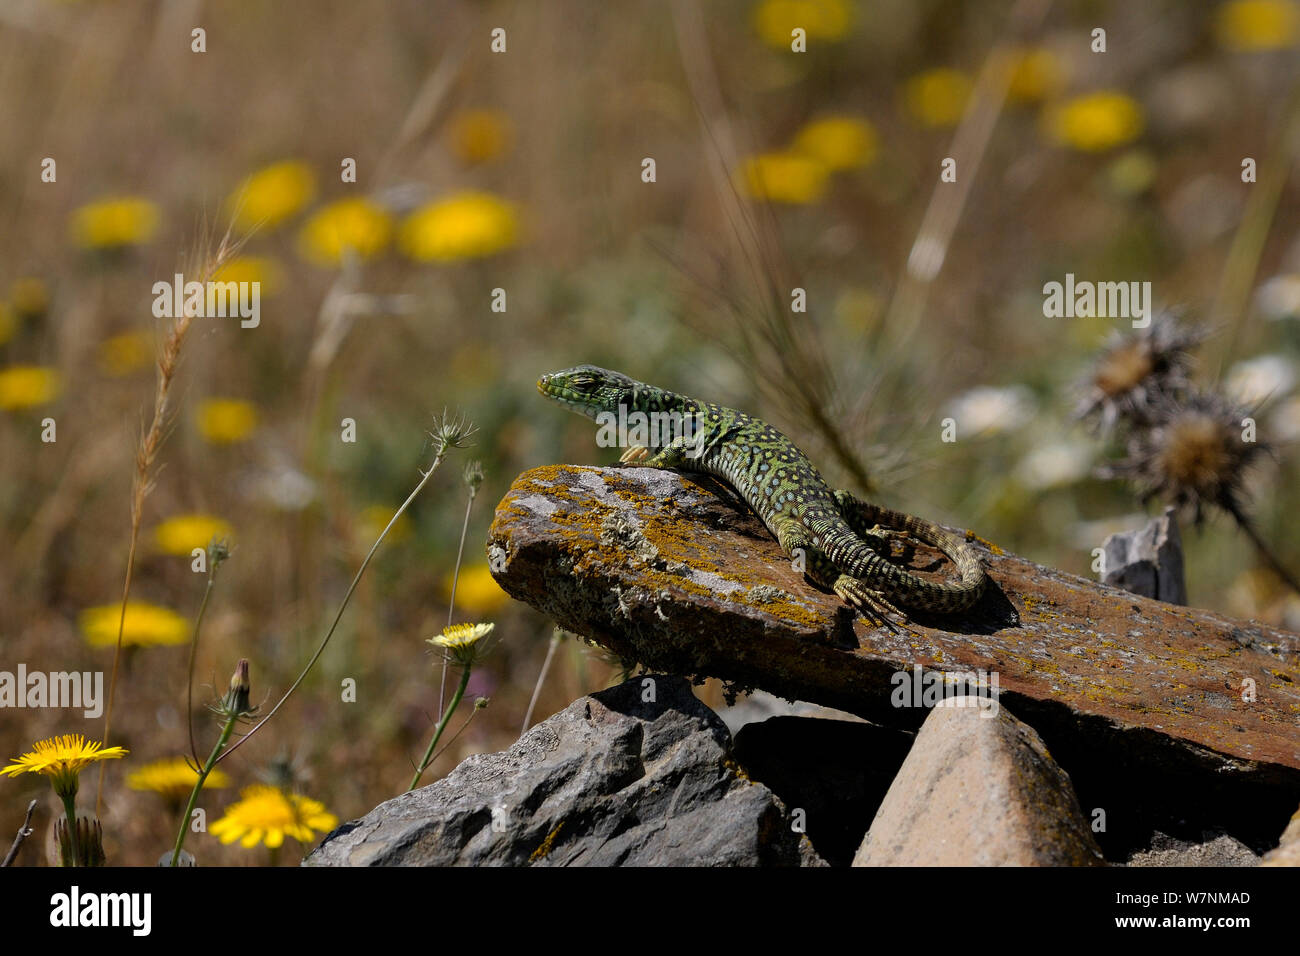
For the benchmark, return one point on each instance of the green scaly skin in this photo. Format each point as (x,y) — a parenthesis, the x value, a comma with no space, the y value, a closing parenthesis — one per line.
(844,541)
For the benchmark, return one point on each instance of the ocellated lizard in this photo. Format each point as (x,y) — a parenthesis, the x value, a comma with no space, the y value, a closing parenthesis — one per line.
(845,541)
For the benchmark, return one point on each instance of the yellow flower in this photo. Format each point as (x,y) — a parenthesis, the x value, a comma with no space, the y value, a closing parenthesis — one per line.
(938,97)
(1246,25)
(62,759)
(173,778)
(145,625)
(1036,74)
(181,534)
(784,177)
(348,226)
(266,814)
(467,225)
(126,353)
(374,518)
(271,195)
(839,142)
(224,421)
(115,222)
(477,592)
(260,269)
(1096,121)
(29,296)
(26,386)
(776,20)
(460,641)
(478,136)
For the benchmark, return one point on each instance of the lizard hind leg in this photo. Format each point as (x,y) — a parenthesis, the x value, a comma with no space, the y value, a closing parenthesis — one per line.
(873,605)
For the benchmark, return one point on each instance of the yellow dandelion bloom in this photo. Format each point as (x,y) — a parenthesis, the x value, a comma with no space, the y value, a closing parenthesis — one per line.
(477,592)
(29,296)
(173,778)
(1248,25)
(271,195)
(260,269)
(937,97)
(776,20)
(1036,74)
(374,518)
(126,352)
(467,225)
(8,322)
(838,142)
(1095,122)
(145,625)
(266,814)
(181,534)
(225,421)
(478,136)
(349,226)
(115,222)
(62,759)
(461,642)
(783,177)
(27,386)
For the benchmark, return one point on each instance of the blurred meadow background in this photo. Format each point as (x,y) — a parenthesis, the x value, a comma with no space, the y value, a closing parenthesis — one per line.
(523,171)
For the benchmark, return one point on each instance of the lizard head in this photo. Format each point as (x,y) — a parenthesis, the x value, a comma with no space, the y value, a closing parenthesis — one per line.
(589,389)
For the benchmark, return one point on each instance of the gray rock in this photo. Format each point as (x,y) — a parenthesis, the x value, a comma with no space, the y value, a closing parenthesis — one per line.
(1148,561)
(610,780)
(1287,852)
(1220,850)
(978,788)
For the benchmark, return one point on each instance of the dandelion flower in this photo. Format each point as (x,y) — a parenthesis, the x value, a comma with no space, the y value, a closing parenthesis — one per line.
(115,222)
(938,97)
(27,386)
(266,814)
(776,20)
(1095,122)
(263,270)
(1036,74)
(479,136)
(225,421)
(784,177)
(173,778)
(145,625)
(271,195)
(477,592)
(839,142)
(347,227)
(468,225)
(1250,25)
(62,759)
(461,642)
(29,296)
(181,534)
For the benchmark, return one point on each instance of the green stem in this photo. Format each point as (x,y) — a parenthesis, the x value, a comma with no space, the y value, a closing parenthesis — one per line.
(184,828)
(70,809)
(442,725)
(194,646)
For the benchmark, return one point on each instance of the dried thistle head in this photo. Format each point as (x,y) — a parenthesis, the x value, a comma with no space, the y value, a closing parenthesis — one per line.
(1136,370)
(451,431)
(1195,454)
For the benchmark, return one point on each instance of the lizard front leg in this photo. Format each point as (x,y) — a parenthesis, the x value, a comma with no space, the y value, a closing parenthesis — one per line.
(673,455)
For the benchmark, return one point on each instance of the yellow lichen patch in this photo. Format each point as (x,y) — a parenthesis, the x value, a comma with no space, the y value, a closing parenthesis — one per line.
(544,848)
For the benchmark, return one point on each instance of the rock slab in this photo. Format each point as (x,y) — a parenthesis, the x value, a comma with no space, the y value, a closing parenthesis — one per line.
(637,775)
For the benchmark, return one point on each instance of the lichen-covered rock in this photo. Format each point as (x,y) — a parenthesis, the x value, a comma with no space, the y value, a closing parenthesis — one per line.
(1161,713)
(978,788)
(640,775)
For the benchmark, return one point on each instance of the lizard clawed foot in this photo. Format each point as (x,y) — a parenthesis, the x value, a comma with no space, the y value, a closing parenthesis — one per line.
(872,604)
(635,454)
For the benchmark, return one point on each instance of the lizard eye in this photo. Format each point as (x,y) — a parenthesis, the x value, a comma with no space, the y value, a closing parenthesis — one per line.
(582,381)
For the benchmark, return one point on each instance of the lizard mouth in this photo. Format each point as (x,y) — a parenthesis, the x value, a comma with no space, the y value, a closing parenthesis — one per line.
(566,396)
